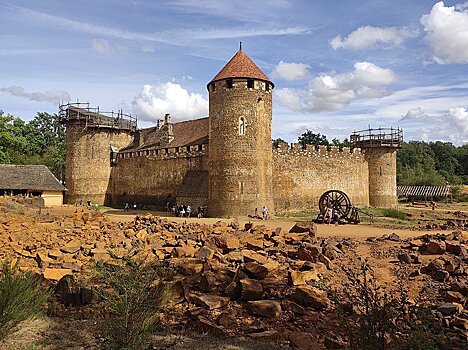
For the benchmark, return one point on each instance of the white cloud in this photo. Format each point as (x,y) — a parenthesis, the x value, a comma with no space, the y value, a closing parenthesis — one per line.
(148,49)
(447,32)
(449,126)
(331,92)
(180,36)
(52,96)
(102,46)
(156,100)
(368,36)
(291,71)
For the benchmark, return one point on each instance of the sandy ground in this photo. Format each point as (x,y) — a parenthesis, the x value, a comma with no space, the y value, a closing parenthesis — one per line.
(359,232)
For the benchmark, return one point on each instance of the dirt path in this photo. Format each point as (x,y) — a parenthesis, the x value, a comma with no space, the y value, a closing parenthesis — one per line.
(359,232)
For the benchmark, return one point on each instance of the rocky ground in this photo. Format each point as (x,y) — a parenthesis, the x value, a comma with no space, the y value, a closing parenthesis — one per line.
(246,285)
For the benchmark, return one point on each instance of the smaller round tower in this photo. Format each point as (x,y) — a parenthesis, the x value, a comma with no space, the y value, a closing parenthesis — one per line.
(93,139)
(380,147)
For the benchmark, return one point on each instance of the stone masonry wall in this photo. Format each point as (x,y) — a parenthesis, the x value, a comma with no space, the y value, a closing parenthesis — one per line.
(153,177)
(382,176)
(301,176)
(88,163)
(240,177)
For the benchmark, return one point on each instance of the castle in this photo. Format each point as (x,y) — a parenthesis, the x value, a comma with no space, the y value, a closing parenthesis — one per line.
(226,161)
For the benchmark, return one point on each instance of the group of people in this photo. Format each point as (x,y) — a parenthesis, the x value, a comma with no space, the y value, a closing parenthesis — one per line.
(184,211)
(127,206)
(265,213)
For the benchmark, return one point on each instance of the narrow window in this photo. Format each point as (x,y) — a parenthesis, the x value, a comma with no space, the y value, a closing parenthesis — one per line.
(267,87)
(241,187)
(213,87)
(380,171)
(241,126)
(229,83)
(250,83)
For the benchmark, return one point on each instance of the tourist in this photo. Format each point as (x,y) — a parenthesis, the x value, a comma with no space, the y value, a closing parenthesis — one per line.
(267,213)
(189,210)
(263,213)
(199,212)
(126,207)
(329,214)
(182,211)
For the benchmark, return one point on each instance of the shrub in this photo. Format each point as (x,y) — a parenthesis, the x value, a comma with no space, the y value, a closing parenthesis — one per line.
(132,294)
(383,319)
(21,297)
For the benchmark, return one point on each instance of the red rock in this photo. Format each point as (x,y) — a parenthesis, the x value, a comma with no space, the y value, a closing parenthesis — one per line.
(309,253)
(56,274)
(304,341)
(210,302)
(298,278)
(205,253)
(251,289)
(310,296)
(265,308)
(308,227)
(255,270)
(434,247)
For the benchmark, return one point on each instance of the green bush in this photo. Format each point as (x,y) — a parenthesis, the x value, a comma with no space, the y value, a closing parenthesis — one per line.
(132,294)
(21,297)
(394,213)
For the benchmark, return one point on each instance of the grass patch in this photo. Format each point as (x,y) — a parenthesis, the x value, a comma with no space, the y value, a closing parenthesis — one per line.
(394,213)
(21,297)
(302,214)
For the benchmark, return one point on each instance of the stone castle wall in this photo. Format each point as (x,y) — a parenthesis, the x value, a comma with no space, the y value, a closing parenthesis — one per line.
(88,161)
(301,176)
(240,177)
(153,177)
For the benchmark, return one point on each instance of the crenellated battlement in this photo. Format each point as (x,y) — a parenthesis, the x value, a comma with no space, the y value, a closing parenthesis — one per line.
(166,153)
(297,150)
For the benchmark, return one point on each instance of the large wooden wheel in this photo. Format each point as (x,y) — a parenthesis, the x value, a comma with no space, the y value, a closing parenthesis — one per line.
(337,200)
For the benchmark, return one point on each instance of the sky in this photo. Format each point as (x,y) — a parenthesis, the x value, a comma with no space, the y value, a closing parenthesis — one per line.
(338,66)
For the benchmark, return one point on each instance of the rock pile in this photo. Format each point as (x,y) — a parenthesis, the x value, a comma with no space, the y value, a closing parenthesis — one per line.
(448,270)
(252,280)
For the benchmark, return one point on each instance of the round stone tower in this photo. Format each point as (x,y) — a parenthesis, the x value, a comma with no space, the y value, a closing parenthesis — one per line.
(93,140)
(240,149)
(380,147)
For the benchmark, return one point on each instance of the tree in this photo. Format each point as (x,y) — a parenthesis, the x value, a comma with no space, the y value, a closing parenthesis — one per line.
(310,138)
(277,142)
(41,141)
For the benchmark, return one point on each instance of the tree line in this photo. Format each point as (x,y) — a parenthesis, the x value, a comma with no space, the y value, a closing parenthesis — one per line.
(40,141)
(418,162)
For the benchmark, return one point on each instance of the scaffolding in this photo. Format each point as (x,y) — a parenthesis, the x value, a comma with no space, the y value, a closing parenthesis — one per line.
(381,137)
(93,117)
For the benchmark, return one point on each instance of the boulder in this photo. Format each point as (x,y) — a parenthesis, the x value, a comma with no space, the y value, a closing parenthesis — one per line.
(204,253)
(251,289)
(250,255)
(304,341)
(310,296)
(434,247)
(309,253)
(210,302)
(449,309)
(298,278)
(56,274)
(255,270)
(265,308)
(304,227)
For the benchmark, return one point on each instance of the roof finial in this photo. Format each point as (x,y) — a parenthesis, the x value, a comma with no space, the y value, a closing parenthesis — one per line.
(240,46)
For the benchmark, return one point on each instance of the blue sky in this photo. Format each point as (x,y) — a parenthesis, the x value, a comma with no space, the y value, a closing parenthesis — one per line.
(338,66)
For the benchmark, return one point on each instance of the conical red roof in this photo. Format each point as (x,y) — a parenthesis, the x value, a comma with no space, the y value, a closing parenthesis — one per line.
(241,66)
